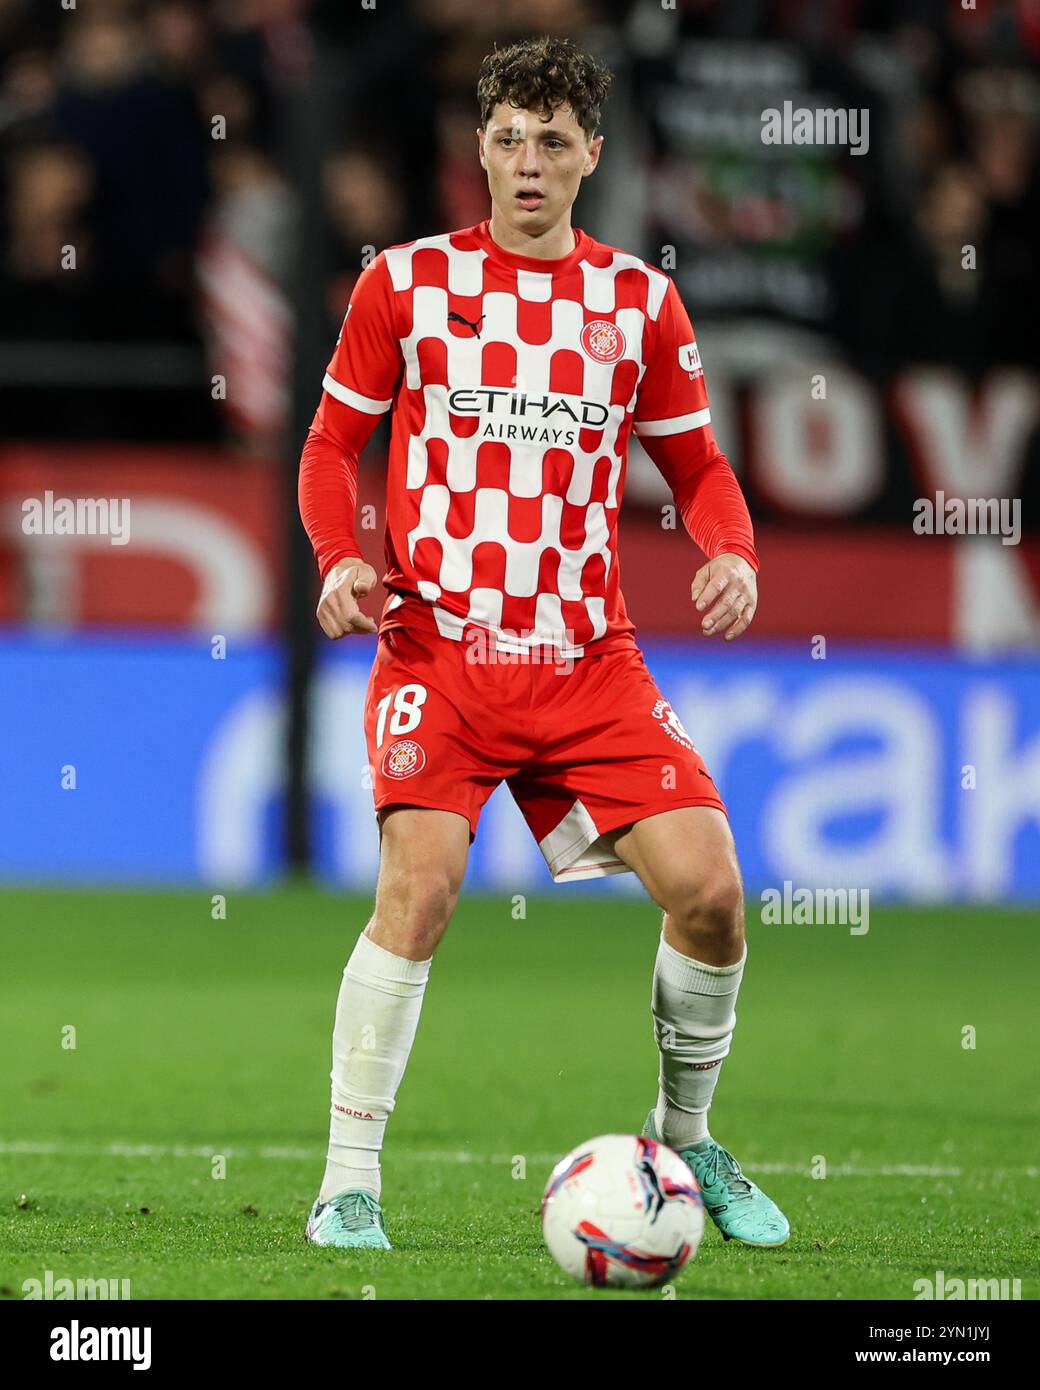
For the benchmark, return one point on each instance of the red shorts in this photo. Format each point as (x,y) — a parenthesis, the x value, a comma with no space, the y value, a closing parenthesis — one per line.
(586,745)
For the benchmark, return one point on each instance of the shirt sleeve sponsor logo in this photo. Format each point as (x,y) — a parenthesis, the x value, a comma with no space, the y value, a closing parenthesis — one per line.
(690,359)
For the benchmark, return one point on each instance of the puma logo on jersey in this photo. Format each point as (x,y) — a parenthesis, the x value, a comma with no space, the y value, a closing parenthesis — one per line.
(453,317)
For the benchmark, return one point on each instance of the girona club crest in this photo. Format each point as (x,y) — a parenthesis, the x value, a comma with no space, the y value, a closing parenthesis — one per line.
(603,341)
(404,758)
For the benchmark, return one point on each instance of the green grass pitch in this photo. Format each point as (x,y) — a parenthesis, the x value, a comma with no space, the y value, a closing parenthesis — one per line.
(197,1038)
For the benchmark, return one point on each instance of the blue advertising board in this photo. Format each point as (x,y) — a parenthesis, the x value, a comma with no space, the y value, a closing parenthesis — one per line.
(137,761)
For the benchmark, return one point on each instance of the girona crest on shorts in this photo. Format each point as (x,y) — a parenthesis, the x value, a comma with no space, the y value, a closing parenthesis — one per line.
(603,341)
(404,758)
(671,723)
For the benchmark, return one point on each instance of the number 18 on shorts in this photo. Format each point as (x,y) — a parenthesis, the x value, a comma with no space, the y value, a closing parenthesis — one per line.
(584,750)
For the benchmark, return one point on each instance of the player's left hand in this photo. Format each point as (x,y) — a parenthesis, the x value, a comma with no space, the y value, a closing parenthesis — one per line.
(725,591)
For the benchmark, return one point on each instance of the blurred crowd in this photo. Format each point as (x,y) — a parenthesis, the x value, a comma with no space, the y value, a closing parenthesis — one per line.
(945,268)
(156,144)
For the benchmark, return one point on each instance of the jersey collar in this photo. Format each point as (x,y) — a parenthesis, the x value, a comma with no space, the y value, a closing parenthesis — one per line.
(482,236)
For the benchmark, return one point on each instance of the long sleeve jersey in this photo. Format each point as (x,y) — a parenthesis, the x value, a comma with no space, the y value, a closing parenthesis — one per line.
(514,385)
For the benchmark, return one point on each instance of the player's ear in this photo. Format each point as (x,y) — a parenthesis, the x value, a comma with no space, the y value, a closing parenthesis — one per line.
(480,146)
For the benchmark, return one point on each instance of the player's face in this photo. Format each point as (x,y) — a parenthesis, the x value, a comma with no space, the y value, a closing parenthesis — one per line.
(535,167)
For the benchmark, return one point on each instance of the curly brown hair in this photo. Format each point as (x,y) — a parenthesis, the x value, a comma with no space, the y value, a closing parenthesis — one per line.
(540,75)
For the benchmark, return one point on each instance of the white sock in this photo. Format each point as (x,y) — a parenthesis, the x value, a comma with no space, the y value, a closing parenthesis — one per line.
(377,1014)
(693,1005)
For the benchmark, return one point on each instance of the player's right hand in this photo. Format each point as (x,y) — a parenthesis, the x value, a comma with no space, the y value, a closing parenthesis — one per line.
(338,611)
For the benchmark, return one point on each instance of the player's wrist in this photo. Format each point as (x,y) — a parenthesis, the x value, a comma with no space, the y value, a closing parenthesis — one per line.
(738,552)
(343,562)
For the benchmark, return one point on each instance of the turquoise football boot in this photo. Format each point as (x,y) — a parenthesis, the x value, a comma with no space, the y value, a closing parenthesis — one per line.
(739,1208)
(350,1221)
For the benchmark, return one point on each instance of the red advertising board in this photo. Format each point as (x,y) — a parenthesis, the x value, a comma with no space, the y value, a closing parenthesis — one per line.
(204,538)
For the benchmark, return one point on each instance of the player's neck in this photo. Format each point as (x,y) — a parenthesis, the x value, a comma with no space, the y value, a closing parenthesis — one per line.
(551,245)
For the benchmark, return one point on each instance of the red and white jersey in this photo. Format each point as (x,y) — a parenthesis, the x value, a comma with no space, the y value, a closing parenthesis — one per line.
(514,383)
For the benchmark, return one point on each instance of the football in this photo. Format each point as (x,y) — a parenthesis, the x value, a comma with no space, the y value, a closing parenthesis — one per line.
(622,1211)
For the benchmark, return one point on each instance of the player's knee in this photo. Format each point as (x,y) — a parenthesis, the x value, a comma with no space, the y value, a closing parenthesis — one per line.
(416,908)
(709,909)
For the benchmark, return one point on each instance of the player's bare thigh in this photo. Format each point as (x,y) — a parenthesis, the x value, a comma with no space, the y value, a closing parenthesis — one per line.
(687,862)
(422,860)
